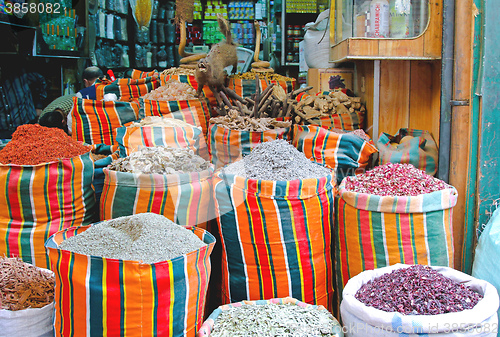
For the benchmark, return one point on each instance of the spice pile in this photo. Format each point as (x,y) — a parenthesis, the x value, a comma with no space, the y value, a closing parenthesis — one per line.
(178,71)
(234,121)
(276,160)
(336,102)
(250,75)
(34,144)
(274,320)
(396,180)
(160,121)
(146,237)
(417,290)
(24,286)
(173,90)
(160,160)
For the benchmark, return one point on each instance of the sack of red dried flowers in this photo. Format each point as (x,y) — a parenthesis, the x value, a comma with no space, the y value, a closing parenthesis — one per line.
(418,300)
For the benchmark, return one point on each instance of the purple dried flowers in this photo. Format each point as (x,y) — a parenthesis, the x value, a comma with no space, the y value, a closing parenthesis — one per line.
(394,180)
(417,290)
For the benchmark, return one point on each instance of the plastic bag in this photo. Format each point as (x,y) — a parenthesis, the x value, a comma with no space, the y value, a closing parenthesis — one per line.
(142,11)
(317,42)
(361,320)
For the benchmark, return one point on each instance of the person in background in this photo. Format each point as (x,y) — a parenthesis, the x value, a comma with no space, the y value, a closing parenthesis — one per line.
(22,95)
(90,75)
(56,113)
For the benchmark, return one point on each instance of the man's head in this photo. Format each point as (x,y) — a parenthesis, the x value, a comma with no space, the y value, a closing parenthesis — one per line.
(91,74)
(54,119)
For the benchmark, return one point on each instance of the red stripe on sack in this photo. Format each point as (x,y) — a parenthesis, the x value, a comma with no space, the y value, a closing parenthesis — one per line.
(113,298)
(147,136)
(158,195)
(365,225)
(165,298)
(104,125)
(66,295)
(342,245)
(16,226)
(54,176)
(264,268)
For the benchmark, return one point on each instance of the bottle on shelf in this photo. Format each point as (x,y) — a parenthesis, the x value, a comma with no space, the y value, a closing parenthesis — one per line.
(379,18)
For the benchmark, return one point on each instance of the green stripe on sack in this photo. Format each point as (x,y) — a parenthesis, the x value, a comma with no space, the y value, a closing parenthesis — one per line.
(436,237)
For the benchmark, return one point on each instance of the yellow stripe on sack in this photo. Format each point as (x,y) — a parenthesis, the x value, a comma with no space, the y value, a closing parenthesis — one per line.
(104,298)
(172,298)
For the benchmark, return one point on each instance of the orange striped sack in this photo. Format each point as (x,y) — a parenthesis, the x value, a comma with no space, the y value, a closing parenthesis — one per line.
(191,80)
(421,151)
(127,89)
(184,198)
(193,111)
(39,200)
(136,74)
(377,231)
(346,153)
(276,238)
(132,138)
(95,296)
(209,323)
(246,87)
(94,122)
(227,146)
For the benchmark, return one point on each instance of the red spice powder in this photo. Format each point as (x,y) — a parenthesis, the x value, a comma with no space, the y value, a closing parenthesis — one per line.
(34,144)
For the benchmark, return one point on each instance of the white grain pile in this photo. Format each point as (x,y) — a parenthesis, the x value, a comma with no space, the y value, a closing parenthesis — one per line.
(146,237)
(276,160)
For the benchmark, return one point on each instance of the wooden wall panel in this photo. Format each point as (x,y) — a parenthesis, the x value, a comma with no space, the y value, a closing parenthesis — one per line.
(394,95)
(434,34)
(363,87)
(364,47)
(424,94)
(401,48)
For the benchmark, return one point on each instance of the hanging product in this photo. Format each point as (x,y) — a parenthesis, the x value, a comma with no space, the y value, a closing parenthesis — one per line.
(142,11)
(379,18)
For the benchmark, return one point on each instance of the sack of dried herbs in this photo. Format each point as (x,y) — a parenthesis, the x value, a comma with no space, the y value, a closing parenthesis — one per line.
(416,300)
(152,280)
(271,318)
(392,213)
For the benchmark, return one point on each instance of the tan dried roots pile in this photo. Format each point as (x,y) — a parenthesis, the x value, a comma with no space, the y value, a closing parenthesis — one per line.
(234,121)
(326,105)
(173,90)
(24,286)
(250,75)
(178,71)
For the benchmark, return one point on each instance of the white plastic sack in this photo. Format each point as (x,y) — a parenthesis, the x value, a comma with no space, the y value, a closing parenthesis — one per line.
(36,322)
(488,254)
(317,42)
(361,320)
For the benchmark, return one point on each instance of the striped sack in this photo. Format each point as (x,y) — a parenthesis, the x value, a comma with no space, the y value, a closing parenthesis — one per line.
(373,231)
(184,198)
(246,87)
(227,146)
(193,111)
(191,80)
(421,151)
(94,122)
(39,200)
(127,89)
(136,74)
(95,296)
(276,238)
(346,153)
(209,323)
(99,166)
(132,138)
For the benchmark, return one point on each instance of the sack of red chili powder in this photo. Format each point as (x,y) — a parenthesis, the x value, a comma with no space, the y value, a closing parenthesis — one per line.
(394,213)
(435,295)
(46,180)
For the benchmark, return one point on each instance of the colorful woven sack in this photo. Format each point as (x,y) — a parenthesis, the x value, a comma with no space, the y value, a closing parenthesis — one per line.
(96,296)
(94,122)
(99,165)
(246,87)
(39,200)
(377,231)
(184,198)
(421,151)
(276,238)
(191,80)
(127,89)
(227,146)
(193,111)
(208,325)
(136,74)
(346,153)
(132,138)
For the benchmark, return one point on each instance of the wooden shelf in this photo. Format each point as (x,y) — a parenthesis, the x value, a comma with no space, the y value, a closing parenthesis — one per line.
(426,46)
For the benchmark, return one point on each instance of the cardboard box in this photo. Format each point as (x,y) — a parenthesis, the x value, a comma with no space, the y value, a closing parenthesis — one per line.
(318,78)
